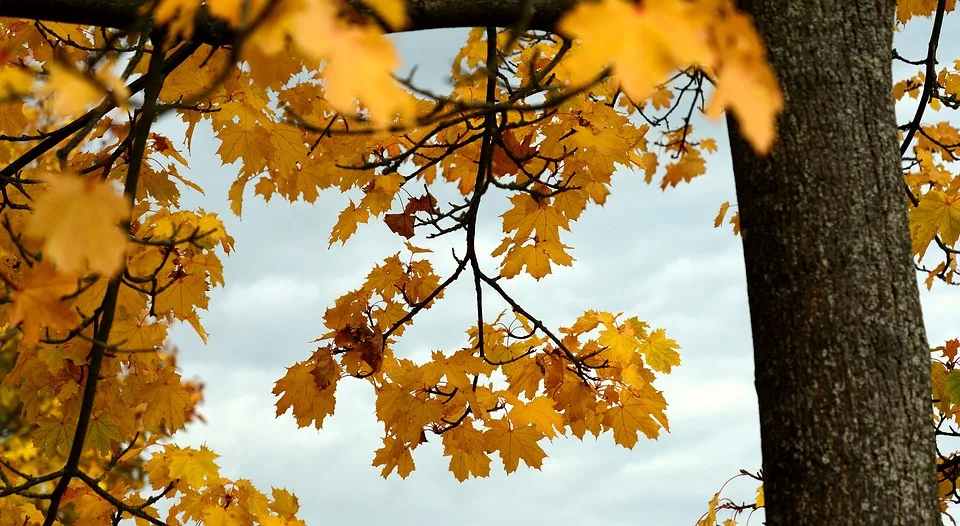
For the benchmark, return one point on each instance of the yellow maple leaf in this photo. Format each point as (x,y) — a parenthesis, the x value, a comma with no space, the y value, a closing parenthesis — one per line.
(73,92)
(539,412)
(908,9)
(721,214)
(192,466)
(36,302)
(536,259)
(347,223)
(394,456)
(167,401)
(55,435)
(643,43)
(104,433)
(466,448)
(746,84)
(299,390)
(660,352)
(135,332)
(284,503)
(529,216)
(937,213)
(635,413)
(710,518)
(515,443)
(78,220)
(621,342)
(89,507)
(14,82)
(359,58)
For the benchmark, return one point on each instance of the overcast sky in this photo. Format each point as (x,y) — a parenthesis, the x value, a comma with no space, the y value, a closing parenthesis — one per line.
(647,253)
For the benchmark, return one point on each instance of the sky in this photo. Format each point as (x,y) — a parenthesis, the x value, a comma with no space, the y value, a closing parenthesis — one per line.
(647,253)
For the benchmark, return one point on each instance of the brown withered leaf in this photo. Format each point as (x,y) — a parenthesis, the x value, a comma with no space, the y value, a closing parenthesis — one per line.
(325,370)
(400,224)
(425,203)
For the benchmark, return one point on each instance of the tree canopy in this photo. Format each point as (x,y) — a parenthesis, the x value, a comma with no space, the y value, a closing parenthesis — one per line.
(547,100)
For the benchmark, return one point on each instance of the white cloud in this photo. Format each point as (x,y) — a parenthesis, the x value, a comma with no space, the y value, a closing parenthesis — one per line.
(271,296)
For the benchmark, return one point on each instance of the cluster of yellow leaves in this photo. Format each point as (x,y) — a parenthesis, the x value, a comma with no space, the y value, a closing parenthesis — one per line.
(645,42)
(909,9)
(546,393)
(357,58)
(65,237)
(932,181)
(61,89)
(205,496)
(718,505)
(945,379)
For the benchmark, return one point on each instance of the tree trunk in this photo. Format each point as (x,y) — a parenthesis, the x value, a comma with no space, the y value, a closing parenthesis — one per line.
(842,362)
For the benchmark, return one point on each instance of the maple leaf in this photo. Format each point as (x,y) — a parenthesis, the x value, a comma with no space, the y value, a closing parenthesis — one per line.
(394,456)
(72,92)
(298,389)
(660,352)
(347,223)
(284,503)
(539,412)
(721,214)
(14,82)
(425,203)
(466,447)
(78,220)
(103,433)
(635,413)
(515,443)
(937,213)
(55,435)
(529,216)
(908,9)
(325,371)
(684,170)
(644,44)
(193,467)
(37,302)
(89,507)
(746,84)
(536,259)
(951,348)
(400,224)
(180,12)
(167,401)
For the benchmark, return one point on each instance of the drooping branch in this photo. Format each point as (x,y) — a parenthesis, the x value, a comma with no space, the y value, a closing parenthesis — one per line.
(423,14)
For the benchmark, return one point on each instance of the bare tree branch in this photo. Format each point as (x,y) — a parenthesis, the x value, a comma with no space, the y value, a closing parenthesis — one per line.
(423,14)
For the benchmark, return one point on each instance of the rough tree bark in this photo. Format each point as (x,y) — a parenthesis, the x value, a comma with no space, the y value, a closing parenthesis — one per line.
(842,362)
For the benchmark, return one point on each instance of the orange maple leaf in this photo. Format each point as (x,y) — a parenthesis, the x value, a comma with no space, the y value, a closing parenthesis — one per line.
(36,302)
(78,218)
(515,443)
